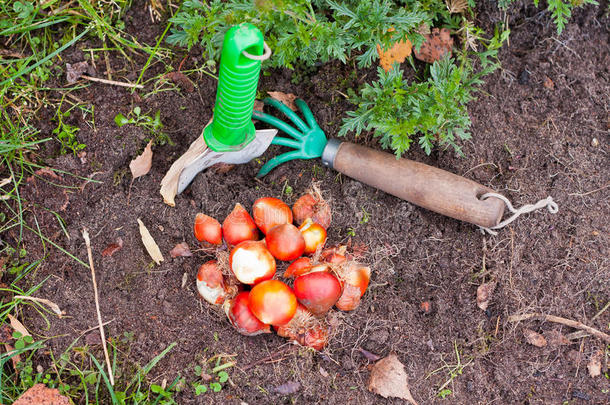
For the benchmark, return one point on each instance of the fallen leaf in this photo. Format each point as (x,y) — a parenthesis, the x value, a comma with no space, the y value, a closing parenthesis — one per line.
(534,338)
(39,394)
(435,46)
(185,278)
(556,338)
(389,379)
(6,181)
(258,105)
(222,168)
(113,247)
(18,326)
(548,83)
(93,338)
(323,372)
(142,164)
(595,364)
(181,80)
(149,243)
(180,250)
(47,171)
(54,307)
(288,388)
(397,53)
(484,293)
(15,357)
(286,98)
(368,355)
(75,71)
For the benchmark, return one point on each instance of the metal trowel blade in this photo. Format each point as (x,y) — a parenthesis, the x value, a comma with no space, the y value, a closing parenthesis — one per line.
(208,158)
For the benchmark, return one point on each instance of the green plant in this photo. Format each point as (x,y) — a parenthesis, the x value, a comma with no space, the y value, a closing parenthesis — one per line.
(561,11)
(218,375)
(434,110)
(453,371)
(152,124)
(307,31)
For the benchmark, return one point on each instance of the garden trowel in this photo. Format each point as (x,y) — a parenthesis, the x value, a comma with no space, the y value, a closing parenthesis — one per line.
(232,138)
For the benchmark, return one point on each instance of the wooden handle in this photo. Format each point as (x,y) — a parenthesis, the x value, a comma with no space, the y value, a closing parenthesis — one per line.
(427,186)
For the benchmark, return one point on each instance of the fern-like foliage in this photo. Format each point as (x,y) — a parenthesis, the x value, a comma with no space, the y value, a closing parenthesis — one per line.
(561,11)
(434,111)
(306,31)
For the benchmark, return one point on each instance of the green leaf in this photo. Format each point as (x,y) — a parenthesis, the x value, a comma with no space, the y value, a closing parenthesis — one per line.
(137,110)
(200,389)
(216,387)
(223,376)
(120,120)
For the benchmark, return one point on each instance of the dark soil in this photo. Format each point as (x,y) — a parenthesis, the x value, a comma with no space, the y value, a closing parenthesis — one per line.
(530,141)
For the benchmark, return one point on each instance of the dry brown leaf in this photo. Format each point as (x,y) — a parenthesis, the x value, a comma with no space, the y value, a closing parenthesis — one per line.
(534,338)
(180,250)
(286,98)
(149,243)
(18,326)
(368,355)
(548,83)
(435,46)
(389,379)
(39,394)
(54,307)
(75,71)
(47,171)
(15,358)
(484,293)
(181,80)
(113,247)
(595,364)
(397,53)
(142,164)
(258,105)
(222,168)
(556,338)
(288,388)
(6,181)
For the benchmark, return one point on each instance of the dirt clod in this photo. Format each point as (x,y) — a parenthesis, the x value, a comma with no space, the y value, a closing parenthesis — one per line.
(39,394)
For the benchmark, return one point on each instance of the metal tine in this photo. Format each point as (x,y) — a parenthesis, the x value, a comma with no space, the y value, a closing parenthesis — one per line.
(288,113)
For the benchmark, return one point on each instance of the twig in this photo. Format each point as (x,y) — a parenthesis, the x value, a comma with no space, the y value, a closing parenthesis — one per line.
(591,192)
(278,355)
(567,322)
(95,327)
(601,311)
(97,305)
(113,82)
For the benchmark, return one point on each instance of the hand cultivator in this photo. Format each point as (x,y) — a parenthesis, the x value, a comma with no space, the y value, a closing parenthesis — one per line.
(232,138)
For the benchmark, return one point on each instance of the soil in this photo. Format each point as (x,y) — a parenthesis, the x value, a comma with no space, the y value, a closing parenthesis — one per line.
(533,126)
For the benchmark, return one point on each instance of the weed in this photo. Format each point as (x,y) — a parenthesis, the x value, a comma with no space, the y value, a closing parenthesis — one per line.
(152,124)
(561,11)
(217,374)
(453,371)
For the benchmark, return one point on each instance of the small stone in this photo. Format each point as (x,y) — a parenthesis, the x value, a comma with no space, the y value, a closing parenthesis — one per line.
(524,77)
(594,142)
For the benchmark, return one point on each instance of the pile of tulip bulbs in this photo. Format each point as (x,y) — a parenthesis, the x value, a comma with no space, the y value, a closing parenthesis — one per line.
(246,283)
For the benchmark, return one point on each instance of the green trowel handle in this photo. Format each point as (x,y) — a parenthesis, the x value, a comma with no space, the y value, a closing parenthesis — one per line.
(232,127)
